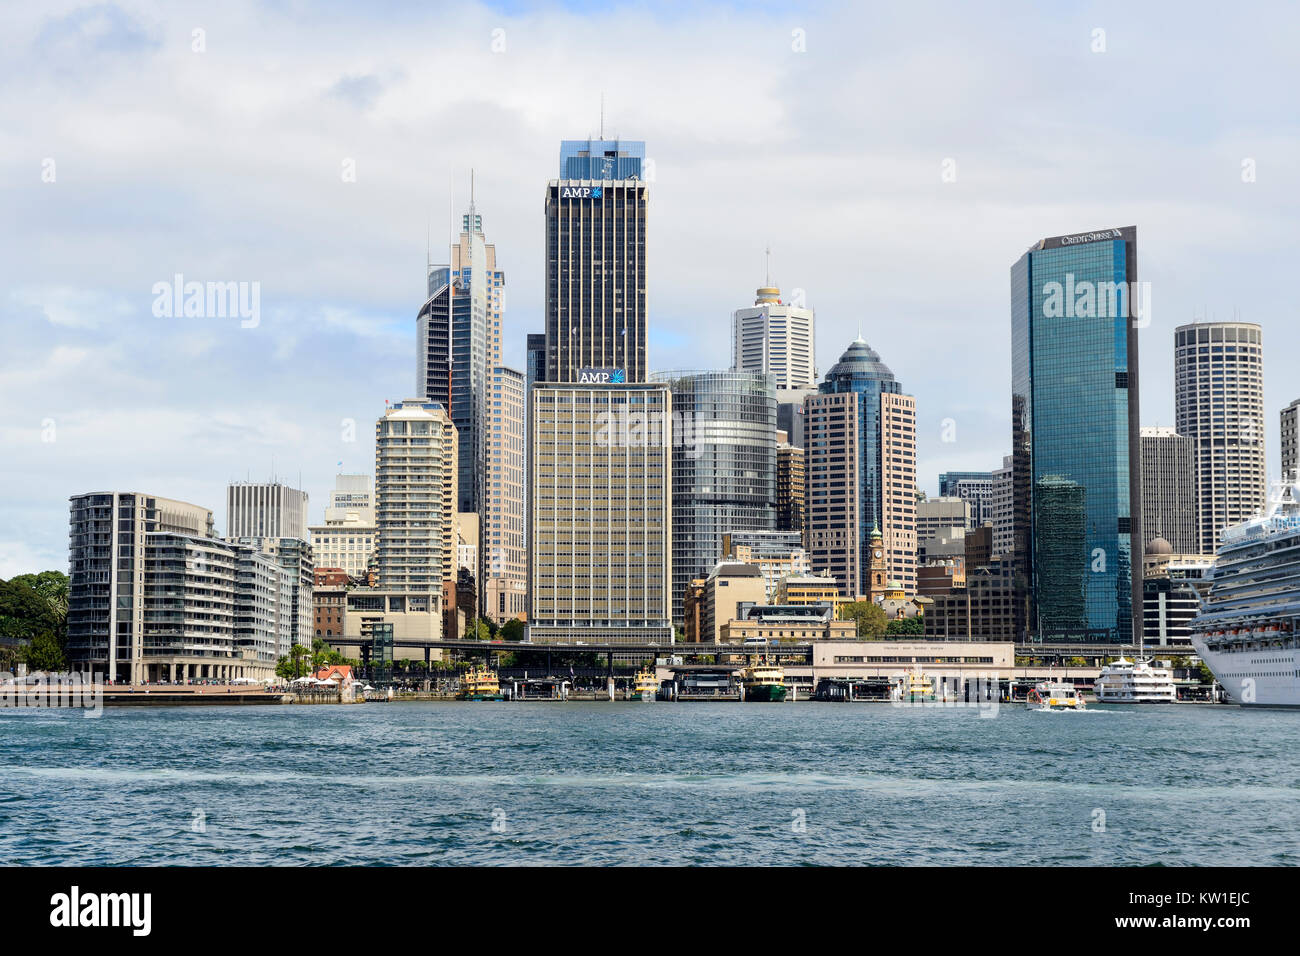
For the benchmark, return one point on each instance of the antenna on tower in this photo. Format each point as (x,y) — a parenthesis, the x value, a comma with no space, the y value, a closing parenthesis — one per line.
(602,115)
(768,253)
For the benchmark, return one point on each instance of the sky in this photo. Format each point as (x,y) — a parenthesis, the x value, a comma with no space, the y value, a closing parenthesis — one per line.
(897,158)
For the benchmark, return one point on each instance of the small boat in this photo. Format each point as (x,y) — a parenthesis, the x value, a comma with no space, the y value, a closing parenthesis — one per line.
(645,685)
(915,687)
(1054,695)
(765,682)
(480,683)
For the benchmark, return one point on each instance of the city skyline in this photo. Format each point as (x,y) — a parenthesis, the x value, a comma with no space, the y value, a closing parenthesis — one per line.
(182,406)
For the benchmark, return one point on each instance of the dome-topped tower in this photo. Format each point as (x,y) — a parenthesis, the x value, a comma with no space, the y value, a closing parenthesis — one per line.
(859,362)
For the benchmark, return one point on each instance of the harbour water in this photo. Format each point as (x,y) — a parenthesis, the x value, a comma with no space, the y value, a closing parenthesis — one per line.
(652,783)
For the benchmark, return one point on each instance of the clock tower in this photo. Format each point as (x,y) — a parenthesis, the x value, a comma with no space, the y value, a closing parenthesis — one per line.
(876,566)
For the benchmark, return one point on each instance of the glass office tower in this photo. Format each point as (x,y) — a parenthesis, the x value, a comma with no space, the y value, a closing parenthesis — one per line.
(724,466)
(595,294)
(1076,437)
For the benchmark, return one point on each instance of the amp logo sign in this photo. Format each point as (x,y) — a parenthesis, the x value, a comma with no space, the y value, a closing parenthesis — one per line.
(579,192)
(601,376)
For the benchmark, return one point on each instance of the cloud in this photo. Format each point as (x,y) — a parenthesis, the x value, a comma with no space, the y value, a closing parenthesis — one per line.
(227,165)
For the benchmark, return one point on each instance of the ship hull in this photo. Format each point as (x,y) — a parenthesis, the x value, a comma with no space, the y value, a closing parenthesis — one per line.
(774,693)
(1268,677)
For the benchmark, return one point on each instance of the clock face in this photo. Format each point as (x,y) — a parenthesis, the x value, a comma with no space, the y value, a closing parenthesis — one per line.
(878,553)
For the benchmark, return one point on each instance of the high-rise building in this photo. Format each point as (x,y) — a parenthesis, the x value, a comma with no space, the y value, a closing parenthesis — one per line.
(860,472)
(599,513)
(415,497)
(1168,490)
(1291,440)
(724,466)
(936,516)
(790,490)
(599,485)
(504,524)
(351,501)
(1219,407)
(182,603)
(595,301)
(265,510)
(1002,513)
(107,534)
(347,538)
(775,338)
(1075,436)
(976,487)
(459,341)
(297,564)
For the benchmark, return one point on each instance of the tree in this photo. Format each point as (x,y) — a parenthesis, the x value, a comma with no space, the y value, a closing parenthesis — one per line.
(32,604)
(44,654)
(906,625)
(870,617)
(512,630)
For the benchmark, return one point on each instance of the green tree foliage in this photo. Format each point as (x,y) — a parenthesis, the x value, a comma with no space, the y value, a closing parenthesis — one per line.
(871,619)
(34,620)
(512,630)
(32,604)
(906,626)
(44,654)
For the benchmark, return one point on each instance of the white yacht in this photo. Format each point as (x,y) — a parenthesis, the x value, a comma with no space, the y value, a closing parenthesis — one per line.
(1134,682)
(1248,632)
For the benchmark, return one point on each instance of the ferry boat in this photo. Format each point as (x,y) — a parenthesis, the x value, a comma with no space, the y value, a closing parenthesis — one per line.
(479,683)
(1134,682)
(1247,629)
(645,685)
(915,687)
(765,682)
(1054,695)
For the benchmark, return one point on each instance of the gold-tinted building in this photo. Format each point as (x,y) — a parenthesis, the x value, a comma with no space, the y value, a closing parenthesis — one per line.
(600,506)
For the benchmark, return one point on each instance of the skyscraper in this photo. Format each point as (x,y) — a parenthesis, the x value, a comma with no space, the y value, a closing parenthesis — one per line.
(459,341)
(599,465)
(860,465)
(775,338)
(600,510)
(1219,407)
(265,509)
(1168,490)
(1075,436)
(724,466)
(415,497)
(505,576)
(595,301)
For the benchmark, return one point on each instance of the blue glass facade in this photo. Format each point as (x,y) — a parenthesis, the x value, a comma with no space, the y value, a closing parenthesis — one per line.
(601,158)
(1074,436)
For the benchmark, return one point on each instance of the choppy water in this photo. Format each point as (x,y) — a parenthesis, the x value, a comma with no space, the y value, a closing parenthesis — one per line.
(805,783)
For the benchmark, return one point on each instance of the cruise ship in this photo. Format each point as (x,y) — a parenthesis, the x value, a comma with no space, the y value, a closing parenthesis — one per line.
(1246,631)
